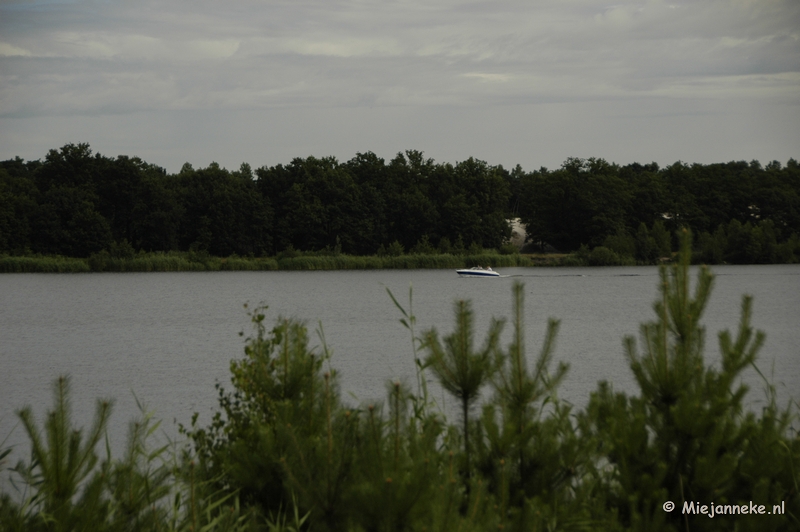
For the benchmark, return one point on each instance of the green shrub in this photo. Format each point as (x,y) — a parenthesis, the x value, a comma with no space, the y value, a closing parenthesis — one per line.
(686,436)
(285,431)
(573,260)
(475,249)
(423,247)
(67,487)
(621,243)
(602,256)
(712,247)
(508,249)
(98,262)
(646,246)
(121,250)
(662,239)
(395,249)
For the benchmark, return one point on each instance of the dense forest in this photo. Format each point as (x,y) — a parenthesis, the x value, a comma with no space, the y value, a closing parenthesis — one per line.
(75,203)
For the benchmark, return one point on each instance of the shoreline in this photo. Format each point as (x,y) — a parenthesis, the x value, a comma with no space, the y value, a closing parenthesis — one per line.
(190,261)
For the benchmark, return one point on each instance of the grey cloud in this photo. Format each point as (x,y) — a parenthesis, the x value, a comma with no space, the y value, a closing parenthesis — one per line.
(80,58)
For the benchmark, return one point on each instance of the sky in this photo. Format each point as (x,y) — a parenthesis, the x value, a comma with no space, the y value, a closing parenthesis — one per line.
(528,82)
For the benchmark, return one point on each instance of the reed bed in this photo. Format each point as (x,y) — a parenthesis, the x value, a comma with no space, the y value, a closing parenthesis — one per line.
(193,261)
(152,263)
(42,264)
(402,262)
(247,264)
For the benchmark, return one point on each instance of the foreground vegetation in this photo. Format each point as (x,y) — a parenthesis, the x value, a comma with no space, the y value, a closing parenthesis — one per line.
(74,203)
(286,452)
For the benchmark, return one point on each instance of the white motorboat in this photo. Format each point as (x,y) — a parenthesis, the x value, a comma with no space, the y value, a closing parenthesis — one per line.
(478,271)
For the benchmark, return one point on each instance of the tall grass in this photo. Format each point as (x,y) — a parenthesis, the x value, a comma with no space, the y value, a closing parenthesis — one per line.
(402,262)
(142,262)
(175,261)
(42,264)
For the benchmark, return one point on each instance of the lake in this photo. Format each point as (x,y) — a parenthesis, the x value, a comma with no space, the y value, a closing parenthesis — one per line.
(168,337)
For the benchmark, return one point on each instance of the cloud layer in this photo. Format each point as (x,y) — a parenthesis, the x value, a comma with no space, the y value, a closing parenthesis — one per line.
(91,59)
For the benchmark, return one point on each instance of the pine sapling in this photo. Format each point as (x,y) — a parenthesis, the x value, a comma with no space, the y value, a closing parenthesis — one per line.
(460,369)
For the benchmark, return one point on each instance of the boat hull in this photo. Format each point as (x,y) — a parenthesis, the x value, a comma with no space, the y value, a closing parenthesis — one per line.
(477,273)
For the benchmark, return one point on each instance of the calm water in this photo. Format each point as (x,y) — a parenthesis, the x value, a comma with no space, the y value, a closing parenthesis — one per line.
(168,337)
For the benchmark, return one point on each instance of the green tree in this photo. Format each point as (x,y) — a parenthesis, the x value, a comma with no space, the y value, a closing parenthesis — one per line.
(67,223)
(17,208)
(622,243)
(157,212)
(282,430)
(646,247)
(582,203)
(526,451)
(117,184)
(649,195)
(413,211)
(460,369)
(370,174)
(319,206)
(662,239)
(67,220)
(687,437)
(712,247)
(223,212)
(486,196)
(69,488)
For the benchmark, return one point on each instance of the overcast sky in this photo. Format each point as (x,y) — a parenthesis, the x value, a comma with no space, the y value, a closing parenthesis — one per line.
(527,82)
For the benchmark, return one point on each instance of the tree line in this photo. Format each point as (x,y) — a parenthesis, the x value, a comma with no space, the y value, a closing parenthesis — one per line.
(741,212)
(76,203)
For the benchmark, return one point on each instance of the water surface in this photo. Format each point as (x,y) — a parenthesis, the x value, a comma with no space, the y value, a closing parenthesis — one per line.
(168,337)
